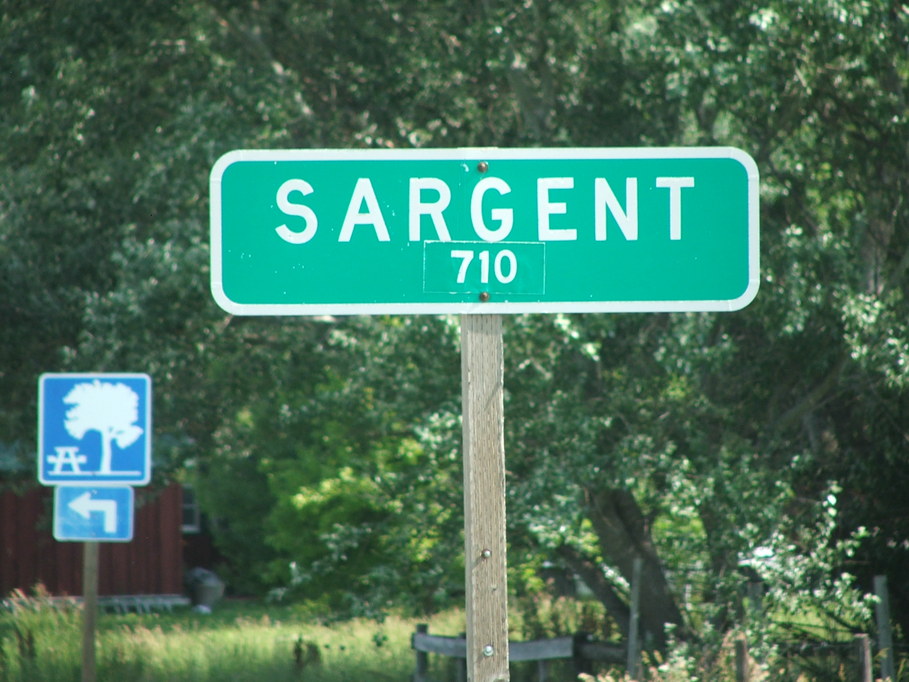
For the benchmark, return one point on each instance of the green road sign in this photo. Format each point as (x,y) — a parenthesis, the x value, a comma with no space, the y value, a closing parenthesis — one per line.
(315,232)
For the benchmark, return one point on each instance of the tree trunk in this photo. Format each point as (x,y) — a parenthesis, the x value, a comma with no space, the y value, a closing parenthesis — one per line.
(624,535)
(106,453)
(590,572)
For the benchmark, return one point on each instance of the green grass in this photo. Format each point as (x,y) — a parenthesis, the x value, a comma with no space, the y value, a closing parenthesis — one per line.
(238,642)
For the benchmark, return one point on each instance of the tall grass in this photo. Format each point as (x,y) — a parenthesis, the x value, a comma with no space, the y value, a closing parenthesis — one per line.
(41,641)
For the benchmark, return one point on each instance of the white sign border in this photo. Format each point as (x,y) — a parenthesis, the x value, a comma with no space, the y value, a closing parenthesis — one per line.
(489,307)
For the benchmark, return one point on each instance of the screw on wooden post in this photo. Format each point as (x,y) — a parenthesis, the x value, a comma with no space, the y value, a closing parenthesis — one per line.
(482,377)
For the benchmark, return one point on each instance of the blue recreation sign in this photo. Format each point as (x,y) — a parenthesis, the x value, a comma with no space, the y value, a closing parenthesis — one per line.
(95,429)
(86,514)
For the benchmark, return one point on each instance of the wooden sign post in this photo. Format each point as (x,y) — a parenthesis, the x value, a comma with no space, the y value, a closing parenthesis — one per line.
(482,375)
(89,609)
(506,255)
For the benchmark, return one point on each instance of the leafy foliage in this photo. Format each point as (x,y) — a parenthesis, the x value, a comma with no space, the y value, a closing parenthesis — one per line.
(684,440)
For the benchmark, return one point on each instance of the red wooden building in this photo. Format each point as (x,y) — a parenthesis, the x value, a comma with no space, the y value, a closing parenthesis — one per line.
(152,563)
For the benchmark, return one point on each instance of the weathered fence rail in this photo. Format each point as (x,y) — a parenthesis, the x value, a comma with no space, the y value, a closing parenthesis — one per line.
(584,651)
(578,648)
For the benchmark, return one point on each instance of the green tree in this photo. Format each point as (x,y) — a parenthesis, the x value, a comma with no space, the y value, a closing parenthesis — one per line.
(683,440)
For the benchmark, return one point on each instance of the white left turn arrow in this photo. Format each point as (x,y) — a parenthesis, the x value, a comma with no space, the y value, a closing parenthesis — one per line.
(85,504)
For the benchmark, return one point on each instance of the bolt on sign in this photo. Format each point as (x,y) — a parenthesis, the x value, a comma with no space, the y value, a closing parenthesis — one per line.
(312,232)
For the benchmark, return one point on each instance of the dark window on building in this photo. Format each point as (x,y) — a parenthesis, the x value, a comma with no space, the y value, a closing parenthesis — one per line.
(192,517)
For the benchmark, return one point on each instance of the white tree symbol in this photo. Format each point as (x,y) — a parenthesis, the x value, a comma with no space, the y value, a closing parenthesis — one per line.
(110,409)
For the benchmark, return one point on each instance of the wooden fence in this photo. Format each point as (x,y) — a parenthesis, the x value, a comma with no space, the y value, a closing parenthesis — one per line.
(855,656)
(579,648)
(584,651)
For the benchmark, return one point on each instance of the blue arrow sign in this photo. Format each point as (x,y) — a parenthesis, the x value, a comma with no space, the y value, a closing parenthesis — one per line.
(94,428)
(100,514)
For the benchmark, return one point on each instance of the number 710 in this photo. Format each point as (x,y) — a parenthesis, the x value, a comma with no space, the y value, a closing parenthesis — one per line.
(504,265)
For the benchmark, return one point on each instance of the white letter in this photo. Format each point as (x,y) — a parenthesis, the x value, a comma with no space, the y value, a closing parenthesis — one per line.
(675,186)
(603,197)
(305,212)
(363,191)
(546,208)
(505,216)
(433,210)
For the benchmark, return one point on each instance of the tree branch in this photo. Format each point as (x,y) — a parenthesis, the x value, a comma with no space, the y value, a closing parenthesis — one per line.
(593,576)
(808,402)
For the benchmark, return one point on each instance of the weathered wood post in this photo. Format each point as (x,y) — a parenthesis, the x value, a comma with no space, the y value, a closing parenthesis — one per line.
(89,609)
(742,673)
(884,633)
(634,643)
(482,385)
(863,647)
(422,666)
(582,664)
(461,663)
